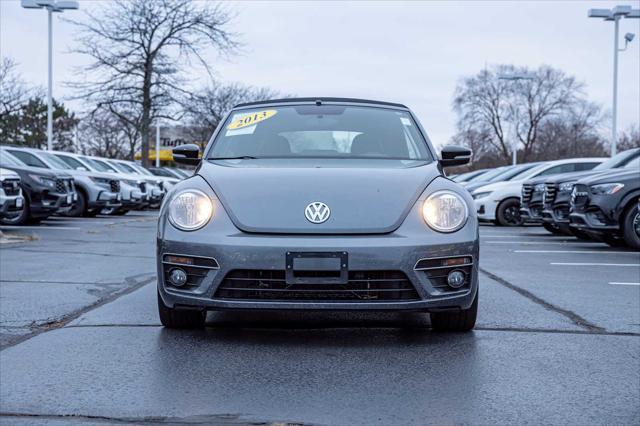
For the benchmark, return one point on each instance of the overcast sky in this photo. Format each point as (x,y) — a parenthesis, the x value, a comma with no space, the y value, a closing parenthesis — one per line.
(413,53)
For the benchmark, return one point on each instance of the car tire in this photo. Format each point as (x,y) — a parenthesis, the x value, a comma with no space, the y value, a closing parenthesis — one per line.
(463,320)
(179,318)
(79,207)
(631,227)
(549,227)
(508,213)
(22,219)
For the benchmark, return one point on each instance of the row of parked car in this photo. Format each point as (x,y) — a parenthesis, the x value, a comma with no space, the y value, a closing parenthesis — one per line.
(590,198)
(35,184)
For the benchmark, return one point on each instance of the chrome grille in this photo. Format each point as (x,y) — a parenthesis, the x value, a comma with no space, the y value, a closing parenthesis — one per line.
(550,191)
(527,191)
(579,197)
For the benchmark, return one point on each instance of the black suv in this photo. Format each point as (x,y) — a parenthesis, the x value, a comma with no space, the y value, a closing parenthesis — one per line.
(532,200)
(557,193)
(605,206)
(45,192)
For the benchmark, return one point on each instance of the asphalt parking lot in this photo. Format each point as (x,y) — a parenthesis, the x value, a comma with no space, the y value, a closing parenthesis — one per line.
(557,341)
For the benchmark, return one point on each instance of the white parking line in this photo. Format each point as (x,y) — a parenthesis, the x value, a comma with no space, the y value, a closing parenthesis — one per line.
(594,264)
(542,242)
(636,284)
(577,251)
(527,236)
(10,227)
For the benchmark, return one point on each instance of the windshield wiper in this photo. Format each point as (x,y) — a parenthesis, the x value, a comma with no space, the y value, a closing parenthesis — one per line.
(241,157)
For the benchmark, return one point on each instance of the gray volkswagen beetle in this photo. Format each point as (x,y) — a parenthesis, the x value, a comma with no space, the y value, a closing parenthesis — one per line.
(319,204)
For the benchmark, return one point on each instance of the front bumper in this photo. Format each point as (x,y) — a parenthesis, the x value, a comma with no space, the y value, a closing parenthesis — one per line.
(49,203)
(591,221)
(486,209)
(365,254)
(532,213)
(106,198)
(11,205)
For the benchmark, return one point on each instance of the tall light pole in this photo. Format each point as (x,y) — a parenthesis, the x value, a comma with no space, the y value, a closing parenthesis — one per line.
(514,143)
(615,15)
(51,6)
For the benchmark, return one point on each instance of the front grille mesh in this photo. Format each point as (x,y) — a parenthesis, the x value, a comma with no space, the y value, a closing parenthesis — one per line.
(365,286)
(114,185)
(64,185)
(143,187)
(11,187)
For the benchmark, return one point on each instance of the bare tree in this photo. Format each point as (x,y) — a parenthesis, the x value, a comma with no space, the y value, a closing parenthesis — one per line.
(630,138)
(141,50)
(496,107)
(206,108)
(13,90)
(101,133)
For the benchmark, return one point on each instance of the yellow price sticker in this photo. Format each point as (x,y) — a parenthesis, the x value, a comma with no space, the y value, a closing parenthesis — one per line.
(251,119)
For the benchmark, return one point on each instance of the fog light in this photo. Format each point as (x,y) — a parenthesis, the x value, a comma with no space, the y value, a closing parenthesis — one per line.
(178,277)
(456,279)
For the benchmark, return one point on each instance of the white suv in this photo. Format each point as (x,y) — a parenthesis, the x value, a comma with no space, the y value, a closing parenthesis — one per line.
(11,199)
(499,202)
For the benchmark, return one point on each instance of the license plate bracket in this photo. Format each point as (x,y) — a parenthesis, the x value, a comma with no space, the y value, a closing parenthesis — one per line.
(317,268)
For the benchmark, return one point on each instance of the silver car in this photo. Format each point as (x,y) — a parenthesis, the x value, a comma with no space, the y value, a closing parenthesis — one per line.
(319,204)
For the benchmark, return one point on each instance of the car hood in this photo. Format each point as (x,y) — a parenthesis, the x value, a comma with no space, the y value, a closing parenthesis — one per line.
(364,196)
(8,174)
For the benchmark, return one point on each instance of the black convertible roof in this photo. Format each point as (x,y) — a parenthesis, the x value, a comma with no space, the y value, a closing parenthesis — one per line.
(321,99)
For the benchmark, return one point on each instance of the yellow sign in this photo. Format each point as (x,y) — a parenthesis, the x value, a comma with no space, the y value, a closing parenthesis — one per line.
(251,119)
(165,155)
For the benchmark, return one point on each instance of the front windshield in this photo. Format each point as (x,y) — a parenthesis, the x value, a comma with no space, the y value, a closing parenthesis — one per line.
(99,165)
(633,164)
(55,161)
(141,170)
(321,131)
(124,168)
(486,177)
(512,174)
(10,160)
(614,161)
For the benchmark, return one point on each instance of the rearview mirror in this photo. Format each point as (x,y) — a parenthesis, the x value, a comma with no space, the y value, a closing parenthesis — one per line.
(187,154)
(452,155)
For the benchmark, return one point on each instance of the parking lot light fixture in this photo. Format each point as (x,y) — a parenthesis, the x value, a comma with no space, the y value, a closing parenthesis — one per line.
(514,77)
(615,15)
(51,6)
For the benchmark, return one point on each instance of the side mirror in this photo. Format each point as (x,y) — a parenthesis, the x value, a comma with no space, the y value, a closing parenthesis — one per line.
(454,156)
(187,154)
(82,169)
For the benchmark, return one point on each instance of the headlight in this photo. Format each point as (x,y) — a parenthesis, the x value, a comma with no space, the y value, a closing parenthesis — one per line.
(43,180)
(606,188)
(539,187)
(445,211)
(190,210)
(479,195)
(100,181)
(566,186)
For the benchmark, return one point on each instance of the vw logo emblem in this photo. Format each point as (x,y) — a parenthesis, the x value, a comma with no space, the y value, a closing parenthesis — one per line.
(317,212)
